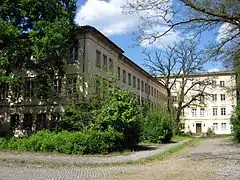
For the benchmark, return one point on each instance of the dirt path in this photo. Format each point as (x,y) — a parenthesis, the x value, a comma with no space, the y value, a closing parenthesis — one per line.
(211,159)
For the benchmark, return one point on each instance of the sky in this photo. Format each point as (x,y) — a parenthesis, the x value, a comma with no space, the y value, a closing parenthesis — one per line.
(108,17)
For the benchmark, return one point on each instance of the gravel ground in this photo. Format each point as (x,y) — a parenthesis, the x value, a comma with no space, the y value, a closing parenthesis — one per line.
(211,159)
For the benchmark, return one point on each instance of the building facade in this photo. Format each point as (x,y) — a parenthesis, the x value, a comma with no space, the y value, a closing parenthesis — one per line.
(214,109)
(94,62)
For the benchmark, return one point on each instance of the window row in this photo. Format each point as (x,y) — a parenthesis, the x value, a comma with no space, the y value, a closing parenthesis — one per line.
(203,112)
(102,61)
(139,84)
(223,126)
(29,87)
(40,119)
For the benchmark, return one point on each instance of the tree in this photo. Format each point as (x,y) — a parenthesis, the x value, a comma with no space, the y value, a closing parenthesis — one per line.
(35,40)
(176,65)
(191,16)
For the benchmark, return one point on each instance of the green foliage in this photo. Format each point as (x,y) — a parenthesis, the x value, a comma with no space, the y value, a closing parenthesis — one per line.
(157,127)
(210,132)
(235,121)
(88,142)
(35,35)
(122,114)
(81,116)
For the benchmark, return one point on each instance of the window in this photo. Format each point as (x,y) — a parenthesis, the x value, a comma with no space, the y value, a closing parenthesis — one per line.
(201,98)
(97,86)
(214,83)
(3,91)
(174,87)
(134,81)
(98,59)
(142,86)
(222,97)
(223,111)
(72,85)
(129,79)
(73,54)
(27,122)
(222,83)
(41,122)
(202,111)
(124,76)
(110,64)
(28,87)
(16,90)
(14,121)
(57,85)
(104,62)
(119,73)
(214,111)
(155,93)
(138,84)
(174,98)
(194,112)
(223,126)
(146,88)
(152,91)
(55,118)
(214,97)
(182,112)
(215,126)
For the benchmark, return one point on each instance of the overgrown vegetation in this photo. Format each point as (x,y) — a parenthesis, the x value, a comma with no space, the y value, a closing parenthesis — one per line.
(101,126)
(235,121)
(157,127)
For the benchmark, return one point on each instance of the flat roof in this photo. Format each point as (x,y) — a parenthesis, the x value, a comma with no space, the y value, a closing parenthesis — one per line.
(203,74)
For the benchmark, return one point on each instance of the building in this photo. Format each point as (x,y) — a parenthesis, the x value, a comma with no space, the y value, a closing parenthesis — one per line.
(94,60)
(214,109)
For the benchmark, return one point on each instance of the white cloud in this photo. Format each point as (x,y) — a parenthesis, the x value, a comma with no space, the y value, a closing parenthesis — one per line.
(226,31)
(109,18)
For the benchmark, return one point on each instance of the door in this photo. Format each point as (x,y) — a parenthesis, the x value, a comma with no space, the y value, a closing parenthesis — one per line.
(198,128)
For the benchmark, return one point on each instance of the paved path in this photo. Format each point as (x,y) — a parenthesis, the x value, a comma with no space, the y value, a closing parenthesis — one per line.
(85,160)
(211,159)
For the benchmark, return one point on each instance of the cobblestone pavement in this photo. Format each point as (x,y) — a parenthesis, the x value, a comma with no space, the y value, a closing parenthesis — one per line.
(85,160)
(211,159)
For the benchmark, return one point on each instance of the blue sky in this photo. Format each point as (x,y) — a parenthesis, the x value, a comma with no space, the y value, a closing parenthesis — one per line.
(107,16)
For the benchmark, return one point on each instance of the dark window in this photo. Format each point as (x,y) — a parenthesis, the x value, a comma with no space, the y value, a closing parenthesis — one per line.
(104,62)
(110,64)
(119,73)
(55,118)
(72,85)
(73,54)
(214,83)
(222,83)
(3,91)
(14,121)
(129,79)
(27,122)
(98,59)
(41,122)
(29,85)
(97,86)
(134,81)
(16,90)
(124,76)
(138,84)
(223,97)
(142,86)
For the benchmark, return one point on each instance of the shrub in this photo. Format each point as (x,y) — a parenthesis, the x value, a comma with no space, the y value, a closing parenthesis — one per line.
(79,117)
(5,129)
(157,127)
(89,142)
(210,132)
(235,121)
(122,114)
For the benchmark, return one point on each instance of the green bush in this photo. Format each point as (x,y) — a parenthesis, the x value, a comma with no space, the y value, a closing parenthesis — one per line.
(235,121)
(89,142)
(122,114)
(5,129)
(157,127)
